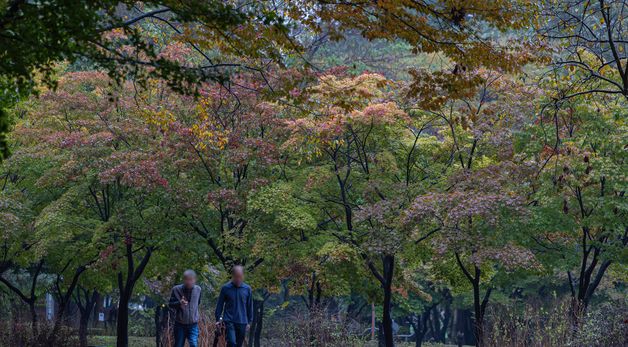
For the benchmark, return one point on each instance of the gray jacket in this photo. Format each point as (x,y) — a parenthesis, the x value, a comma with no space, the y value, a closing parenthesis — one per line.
(185,314)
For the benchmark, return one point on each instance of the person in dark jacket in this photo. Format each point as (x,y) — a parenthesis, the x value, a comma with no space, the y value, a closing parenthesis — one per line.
(185,300)
(235,307)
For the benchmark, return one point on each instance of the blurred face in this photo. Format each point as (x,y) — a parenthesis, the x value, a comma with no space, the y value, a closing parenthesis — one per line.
(189,281)
(237,277)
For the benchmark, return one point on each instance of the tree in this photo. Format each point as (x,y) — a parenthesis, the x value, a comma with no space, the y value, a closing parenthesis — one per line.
(222,150)
(589,39)
(482,191)
(60,256)
(441,26)
(20,265)
(346,130)
(108,185)
(115,35)
(578,210)
(475,220)
(312,264)
(65,245)
(86,300)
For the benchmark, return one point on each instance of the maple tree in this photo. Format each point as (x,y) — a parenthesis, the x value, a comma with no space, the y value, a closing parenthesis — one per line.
(580,191)
(343,134)
(438,160)
(100,173)
(589,37)
(128,38)
(223,149)
(17,243)
(480,197)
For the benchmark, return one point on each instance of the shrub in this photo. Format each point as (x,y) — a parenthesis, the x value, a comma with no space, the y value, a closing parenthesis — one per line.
(20,334)
(535,324)
(314,328)
(206,327)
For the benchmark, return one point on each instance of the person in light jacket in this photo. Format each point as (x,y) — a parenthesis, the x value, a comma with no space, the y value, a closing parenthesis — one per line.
(185,299)
(235,307)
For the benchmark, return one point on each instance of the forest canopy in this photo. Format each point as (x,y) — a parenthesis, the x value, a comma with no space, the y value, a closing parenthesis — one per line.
(442,171)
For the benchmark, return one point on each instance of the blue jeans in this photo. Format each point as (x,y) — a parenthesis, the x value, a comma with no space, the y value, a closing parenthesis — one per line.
(235,334)
(185,331)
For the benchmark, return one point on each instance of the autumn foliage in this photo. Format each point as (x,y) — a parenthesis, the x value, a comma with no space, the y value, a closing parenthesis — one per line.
(470,197)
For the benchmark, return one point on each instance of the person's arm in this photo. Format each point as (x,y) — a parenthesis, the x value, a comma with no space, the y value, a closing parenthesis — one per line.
(249,306)
(174,301)
(220,304)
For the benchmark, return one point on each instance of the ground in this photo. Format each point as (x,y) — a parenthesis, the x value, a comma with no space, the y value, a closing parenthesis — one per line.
(110,341)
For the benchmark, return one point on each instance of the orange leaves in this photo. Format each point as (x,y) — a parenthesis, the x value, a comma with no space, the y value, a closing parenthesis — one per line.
(434,89)
(258,35)
(349,93)
(461,30)
(401,291)
(339,104)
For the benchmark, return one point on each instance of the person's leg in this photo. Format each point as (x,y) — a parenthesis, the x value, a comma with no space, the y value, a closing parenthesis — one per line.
(240,334)
(192,335)
(179,335)
(230,334)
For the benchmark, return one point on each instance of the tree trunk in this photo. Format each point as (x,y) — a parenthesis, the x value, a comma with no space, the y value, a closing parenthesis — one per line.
(34,318)
(31,299)
(418,342)
(64,301)
(460,327)
(381,340)
(158,325)
(422,325)
(83,322)
(421,328)
(85,308)
(587,283)
(478,318)
(122,322)
(126,292)
(387,323)
(314,293)
(446,319)
(259,325)
(255,332)
(479,308)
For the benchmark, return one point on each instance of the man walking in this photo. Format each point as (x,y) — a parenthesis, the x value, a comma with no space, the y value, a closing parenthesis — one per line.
(185,300)
(235,307)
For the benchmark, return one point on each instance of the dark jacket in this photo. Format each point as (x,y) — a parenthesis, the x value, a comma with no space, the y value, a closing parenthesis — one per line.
(189,313)
(235,304)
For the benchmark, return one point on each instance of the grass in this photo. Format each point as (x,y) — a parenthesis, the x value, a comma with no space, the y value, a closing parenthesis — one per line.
(410,344)
(135,341)
(110,341)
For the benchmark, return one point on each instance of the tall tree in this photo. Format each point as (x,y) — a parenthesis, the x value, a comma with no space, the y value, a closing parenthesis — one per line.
(222,150)
(588,37)
(107,180)
(115,35)
(86,300)
(481,191)
(578,203)
(363,178)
